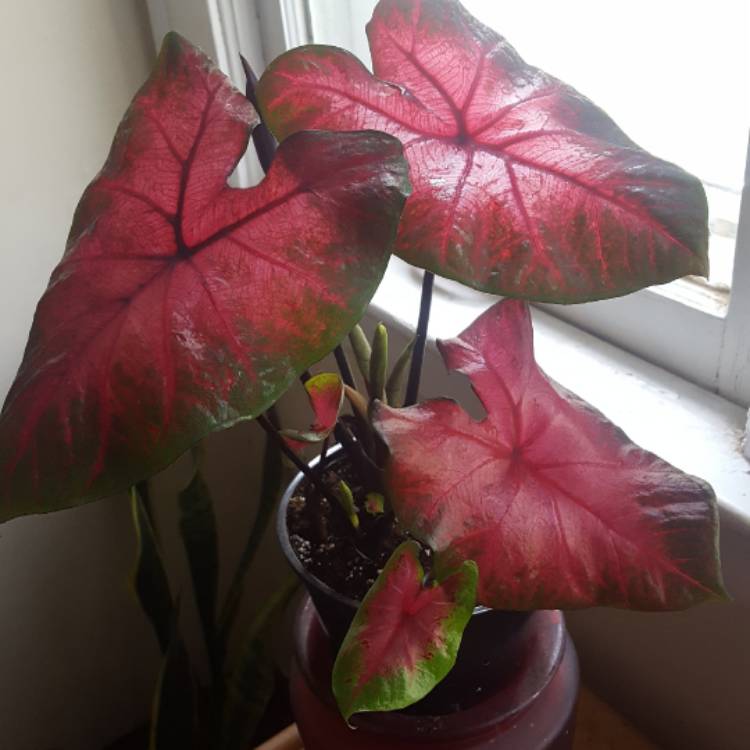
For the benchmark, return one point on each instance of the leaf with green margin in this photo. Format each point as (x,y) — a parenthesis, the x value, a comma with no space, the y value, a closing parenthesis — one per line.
(325,392)
(150,581)
(404,637)
(198,530)
(555,504)
(183,305)
(522,186)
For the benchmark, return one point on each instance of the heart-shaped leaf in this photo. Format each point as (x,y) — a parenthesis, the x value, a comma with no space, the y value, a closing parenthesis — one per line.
(325,392)
(553,502)
(522,186)
(404,637)
(182,305)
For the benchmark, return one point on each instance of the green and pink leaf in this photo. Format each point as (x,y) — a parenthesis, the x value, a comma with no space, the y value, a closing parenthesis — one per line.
(554,503)
(182,305)
(405,635)
(522,186)
(325,392)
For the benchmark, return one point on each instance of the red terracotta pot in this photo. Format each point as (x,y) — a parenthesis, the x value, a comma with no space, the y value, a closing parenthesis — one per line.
(531,706)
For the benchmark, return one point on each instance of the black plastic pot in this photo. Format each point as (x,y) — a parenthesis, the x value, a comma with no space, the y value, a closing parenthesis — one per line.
(492,643)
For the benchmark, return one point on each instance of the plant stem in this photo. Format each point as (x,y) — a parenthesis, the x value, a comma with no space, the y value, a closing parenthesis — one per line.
(344,369)
(417,357)
(263,140)
(265,423)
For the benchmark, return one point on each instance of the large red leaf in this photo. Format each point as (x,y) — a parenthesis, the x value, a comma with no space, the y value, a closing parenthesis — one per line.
(404,637)
(182,305)
(554,503)
(522,186)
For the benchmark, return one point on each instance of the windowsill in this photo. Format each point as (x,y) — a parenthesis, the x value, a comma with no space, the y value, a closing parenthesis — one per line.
(697,431)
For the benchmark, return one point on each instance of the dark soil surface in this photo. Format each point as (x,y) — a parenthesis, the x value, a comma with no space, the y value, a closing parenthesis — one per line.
(347,559)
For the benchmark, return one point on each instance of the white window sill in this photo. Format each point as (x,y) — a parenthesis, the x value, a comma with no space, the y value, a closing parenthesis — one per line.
(697,431)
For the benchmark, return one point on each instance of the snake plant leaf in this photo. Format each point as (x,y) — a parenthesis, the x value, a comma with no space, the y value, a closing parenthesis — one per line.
(325,392)
(270,491)
(182,305)
(150,581)
(198,531)
(250,683)
(522,186)
(554,503)
(173,713)
(405,636)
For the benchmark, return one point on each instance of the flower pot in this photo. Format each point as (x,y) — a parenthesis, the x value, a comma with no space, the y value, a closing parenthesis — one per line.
(516,674)
(531,707)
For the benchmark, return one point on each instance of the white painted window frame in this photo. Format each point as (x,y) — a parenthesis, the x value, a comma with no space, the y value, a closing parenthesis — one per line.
(685,329)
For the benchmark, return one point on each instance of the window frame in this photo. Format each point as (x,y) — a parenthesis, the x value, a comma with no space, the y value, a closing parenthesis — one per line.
(699,336)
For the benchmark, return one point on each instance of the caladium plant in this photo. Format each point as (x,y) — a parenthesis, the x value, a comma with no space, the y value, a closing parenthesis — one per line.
(183,305)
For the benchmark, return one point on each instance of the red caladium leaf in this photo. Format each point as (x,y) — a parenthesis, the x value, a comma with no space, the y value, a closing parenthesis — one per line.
(326,394)
(553,502)
(522,186)
(404,637)
(182,305)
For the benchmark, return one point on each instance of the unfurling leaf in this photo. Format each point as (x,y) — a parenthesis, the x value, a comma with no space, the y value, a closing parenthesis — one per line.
(522,186)
(379,362)
(362,350)
(404,637)
(326,394)
(374,503)
(181,305)
(394,388)
(359,404)
(343,493)
(553,502)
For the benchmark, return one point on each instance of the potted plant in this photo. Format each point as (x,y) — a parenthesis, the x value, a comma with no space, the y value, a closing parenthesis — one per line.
(182,306)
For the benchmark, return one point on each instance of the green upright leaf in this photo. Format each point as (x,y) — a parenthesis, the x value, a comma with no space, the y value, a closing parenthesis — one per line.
(379,362)
(249,686)
(269,495)
(362,351)
(149,577)
(198,529)
(394,388)
(343,493)
(173,711)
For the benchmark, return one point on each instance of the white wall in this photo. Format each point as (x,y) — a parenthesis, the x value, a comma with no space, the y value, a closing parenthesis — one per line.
(76,658)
